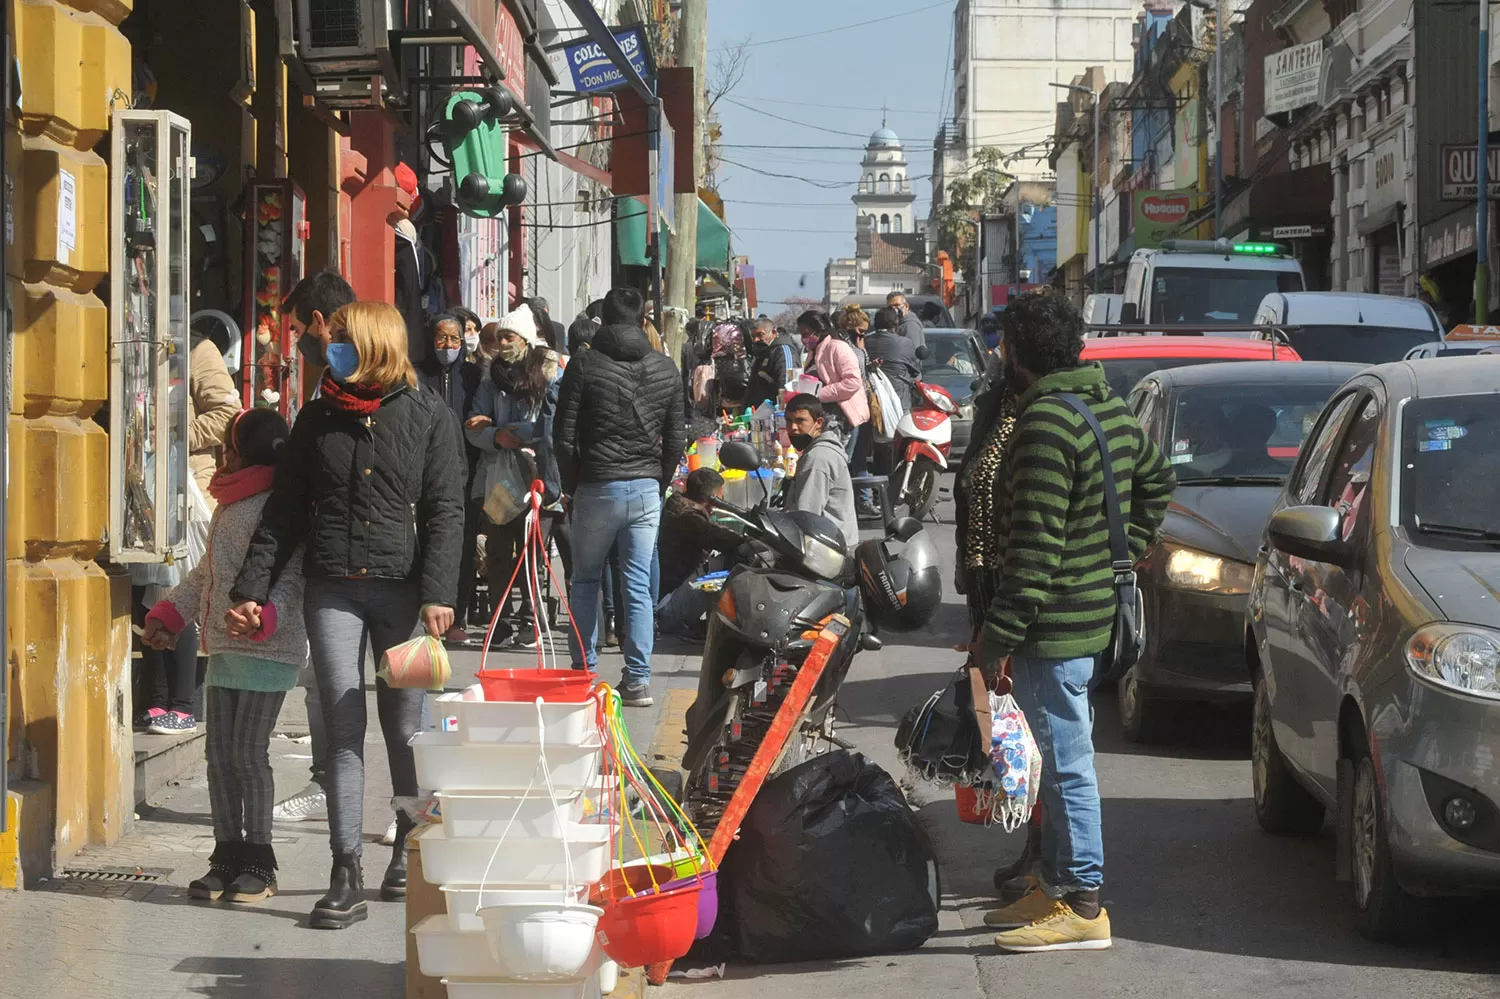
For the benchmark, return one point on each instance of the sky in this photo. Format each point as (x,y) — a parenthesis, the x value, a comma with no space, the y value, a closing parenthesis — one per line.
(843,66)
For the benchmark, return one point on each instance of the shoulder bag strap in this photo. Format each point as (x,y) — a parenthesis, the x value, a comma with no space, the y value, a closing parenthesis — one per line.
(1119,544)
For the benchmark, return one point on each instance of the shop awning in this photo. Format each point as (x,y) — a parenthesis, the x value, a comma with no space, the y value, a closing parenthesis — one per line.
(630,237)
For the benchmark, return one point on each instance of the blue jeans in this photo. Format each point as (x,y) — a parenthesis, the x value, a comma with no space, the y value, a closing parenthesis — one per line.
(1054,694)
(605,513)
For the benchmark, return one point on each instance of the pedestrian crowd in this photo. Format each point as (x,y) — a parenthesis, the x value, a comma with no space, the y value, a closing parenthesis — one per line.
(403,483)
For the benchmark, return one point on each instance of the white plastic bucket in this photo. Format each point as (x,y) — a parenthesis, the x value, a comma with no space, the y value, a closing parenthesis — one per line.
(542,942)
(443,952)
(515,722)
(445,763)
(470,815)
(463,901)
(536,862)
(461,989)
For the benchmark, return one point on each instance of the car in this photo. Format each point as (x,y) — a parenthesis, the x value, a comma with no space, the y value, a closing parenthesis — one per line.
(1452,348)
(1373,640)
(1190,282)
(1231,433)
(1102,309)
(956,361)
(1128,359)
(1348,326)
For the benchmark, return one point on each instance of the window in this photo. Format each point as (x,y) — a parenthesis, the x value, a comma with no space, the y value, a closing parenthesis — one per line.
(1247,433)
(1192,295)
(1309,474)
(885,223)
(896,223)
(1450,457)
(867,184)
(1350,480)
(900,181)
(885,183)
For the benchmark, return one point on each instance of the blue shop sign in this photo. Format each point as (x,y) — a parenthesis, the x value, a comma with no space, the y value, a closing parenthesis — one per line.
(592,71)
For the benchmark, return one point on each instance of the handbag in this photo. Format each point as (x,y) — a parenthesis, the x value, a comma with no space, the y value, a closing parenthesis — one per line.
(1129,636)
(939,740)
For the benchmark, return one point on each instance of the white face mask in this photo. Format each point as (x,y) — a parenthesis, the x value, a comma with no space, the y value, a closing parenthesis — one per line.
(471,341)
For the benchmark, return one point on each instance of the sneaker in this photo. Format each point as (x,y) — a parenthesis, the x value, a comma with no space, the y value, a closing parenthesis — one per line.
(1031,906)
(389,839)
(1060,929)
(636,695)
(1017,888)
(145,718)
(867,511)
(172,723)
(308,805)
(457,636)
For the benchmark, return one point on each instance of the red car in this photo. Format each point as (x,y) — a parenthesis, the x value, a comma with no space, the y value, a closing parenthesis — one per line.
(1128,359)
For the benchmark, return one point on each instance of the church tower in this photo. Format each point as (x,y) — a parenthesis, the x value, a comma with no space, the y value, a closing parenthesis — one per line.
(885,195)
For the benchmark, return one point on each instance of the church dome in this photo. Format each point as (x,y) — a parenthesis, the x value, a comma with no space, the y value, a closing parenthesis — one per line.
(885,138)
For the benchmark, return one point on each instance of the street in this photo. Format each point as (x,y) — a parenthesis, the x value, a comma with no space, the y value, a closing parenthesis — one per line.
(1202,903)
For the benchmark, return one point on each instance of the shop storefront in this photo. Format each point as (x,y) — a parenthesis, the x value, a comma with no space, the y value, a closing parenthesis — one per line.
(1448,254)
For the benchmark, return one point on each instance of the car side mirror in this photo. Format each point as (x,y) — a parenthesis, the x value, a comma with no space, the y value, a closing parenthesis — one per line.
(1130,314)
(922,352)
(1310,532)
(976,385)
(739,456)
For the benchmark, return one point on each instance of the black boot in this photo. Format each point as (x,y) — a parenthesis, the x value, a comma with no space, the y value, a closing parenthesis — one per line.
(223,866)
(344,905)
(393,888)
(1010,881)
(256,881)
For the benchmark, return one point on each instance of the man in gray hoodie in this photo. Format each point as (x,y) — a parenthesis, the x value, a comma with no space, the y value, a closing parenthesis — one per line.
(821,484)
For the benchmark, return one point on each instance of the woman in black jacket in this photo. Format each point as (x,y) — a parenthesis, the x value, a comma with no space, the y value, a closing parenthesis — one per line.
(373,485)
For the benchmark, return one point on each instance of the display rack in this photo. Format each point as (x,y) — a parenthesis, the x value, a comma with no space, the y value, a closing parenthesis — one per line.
(150,180)
(276,231)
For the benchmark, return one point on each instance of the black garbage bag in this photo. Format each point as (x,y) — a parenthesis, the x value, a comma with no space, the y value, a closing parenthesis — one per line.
(830,863)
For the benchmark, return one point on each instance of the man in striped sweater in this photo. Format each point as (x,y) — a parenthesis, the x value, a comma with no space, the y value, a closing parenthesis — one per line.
(1054,606)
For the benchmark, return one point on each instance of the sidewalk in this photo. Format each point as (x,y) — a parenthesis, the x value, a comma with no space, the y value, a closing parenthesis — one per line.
(131,929)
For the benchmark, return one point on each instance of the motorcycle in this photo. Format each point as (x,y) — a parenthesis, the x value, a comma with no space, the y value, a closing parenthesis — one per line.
(921,444)
(769,616)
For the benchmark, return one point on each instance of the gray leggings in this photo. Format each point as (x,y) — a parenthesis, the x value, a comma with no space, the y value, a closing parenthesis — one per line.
(340,615)
(241,788)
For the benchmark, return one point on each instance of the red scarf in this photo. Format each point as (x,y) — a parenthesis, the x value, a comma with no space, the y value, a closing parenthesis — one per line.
(361,400)
(231,487)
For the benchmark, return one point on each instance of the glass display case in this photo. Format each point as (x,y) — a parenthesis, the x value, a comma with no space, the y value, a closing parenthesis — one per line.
(150,178)
(275,247)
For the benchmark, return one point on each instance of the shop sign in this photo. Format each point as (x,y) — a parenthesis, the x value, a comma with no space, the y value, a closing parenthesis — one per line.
(1298,231)
(1292,77)
(1384,173)
(1451,237)
(1159,215)
(493,22)
(586,69)
(1460,172)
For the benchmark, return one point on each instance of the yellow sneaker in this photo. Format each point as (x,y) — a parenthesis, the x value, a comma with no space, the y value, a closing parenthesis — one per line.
(1060,929)
(1023,911)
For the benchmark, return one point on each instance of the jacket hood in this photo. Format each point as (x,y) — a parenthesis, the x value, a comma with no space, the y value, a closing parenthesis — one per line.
(1086,381)
(829,439)
(623,343)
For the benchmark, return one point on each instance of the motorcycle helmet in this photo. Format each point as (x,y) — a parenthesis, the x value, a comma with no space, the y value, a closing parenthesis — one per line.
(901,576)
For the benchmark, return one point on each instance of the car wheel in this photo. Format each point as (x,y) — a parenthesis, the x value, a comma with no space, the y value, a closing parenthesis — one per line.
(1384,911)
(1143,717)
(1283,807)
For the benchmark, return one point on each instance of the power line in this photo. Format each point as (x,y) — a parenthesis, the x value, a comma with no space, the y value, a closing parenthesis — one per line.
(825,184)
(792,121)
(835,107)
(842,27)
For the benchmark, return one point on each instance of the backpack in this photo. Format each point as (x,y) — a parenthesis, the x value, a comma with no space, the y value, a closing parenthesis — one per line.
(731,376)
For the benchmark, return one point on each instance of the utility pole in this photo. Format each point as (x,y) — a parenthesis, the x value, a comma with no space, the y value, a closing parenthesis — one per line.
(1219,118)
(1482,172)
(1098,201)
(682,254)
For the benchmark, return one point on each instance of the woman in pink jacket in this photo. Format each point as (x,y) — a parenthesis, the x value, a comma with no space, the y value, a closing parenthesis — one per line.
(838,368)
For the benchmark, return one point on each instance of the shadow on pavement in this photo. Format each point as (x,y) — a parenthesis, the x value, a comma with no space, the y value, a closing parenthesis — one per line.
(293,978)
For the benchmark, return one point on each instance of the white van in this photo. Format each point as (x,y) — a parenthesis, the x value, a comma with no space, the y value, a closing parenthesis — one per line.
(1102,309)
(1349,326)
(1201,282)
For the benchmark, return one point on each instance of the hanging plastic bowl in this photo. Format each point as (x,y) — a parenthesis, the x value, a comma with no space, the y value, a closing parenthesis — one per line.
(541,942)
(967,801)
(632,879)
(708,899)
(557,685)
(649,929)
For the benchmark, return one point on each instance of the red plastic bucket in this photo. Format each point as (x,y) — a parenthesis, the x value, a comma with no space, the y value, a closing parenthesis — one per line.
(556,685)
(967,800)
(708,900)
(649,929)
(633,879)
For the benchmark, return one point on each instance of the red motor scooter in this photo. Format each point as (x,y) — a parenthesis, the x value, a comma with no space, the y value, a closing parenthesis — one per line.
(920,449)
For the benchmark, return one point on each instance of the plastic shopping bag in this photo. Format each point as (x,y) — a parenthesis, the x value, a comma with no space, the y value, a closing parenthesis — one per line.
(421,663)
(506,486)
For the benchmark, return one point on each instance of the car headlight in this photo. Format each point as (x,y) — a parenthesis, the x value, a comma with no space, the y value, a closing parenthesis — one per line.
(1463,657)
(1194,570)
(822,559)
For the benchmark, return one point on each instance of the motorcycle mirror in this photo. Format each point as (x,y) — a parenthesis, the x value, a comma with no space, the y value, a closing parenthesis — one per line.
(922,352)
(739,456)
(976,385)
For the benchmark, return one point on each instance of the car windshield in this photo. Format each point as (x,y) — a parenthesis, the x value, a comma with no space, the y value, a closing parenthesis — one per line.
(1194,295)
(1450,460)
(1250,433)
(1124,372)
(1364,344)
(952,362)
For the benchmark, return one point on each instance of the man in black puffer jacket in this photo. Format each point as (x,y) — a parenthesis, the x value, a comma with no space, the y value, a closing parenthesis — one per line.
(618,440)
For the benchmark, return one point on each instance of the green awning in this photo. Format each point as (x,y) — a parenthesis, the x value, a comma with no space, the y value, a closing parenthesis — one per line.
(630,236)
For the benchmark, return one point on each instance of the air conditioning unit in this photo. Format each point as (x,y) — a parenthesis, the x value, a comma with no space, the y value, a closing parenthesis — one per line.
(343,45)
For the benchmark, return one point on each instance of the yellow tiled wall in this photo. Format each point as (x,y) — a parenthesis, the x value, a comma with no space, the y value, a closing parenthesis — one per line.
(68,630)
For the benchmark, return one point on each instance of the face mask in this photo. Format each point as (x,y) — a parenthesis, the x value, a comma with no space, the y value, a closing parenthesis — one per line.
(512,351)
(801,442)
(311,347)
(759,349)
(471,342)
(809,342)
(343,360)
(448,355)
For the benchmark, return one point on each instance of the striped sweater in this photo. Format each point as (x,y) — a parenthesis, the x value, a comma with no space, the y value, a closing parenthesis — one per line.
(1055,596)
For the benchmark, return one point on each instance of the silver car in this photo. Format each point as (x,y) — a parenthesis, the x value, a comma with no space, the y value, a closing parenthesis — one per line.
(1374,639)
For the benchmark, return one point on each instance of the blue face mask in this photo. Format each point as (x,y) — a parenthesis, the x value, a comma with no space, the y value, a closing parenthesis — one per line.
(343,360)
(447,355)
